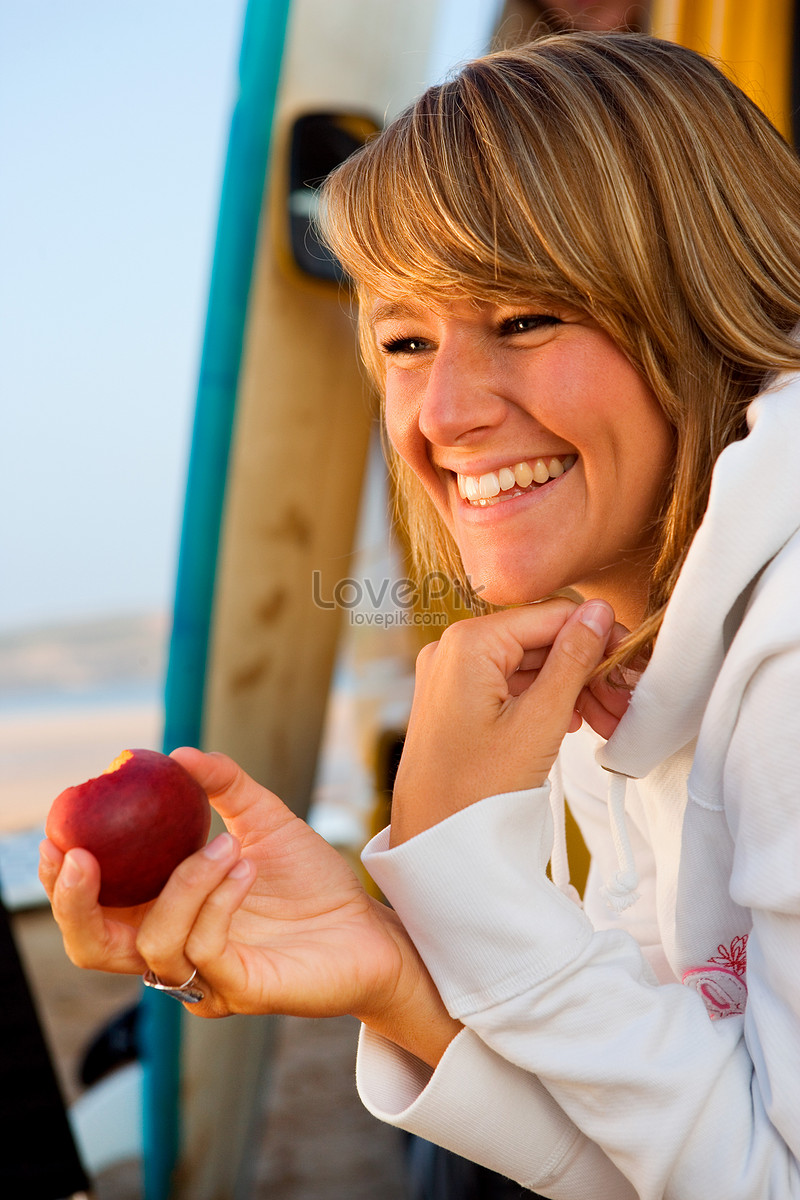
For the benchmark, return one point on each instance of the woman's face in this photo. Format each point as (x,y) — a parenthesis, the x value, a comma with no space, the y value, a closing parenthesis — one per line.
(543,450)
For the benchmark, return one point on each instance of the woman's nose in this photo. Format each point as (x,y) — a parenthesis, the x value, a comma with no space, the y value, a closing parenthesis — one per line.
(462,397)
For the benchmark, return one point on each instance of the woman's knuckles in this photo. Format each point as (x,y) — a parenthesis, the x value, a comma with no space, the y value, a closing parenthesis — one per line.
(581,648)
(207,867)
(205,954)
(152,949)
(81,957)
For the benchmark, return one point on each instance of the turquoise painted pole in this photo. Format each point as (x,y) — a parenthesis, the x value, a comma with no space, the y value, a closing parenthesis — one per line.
(240,207)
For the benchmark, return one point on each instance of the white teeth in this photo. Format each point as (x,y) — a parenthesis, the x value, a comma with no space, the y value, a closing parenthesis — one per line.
(472,488)
(489,486)
(483,489)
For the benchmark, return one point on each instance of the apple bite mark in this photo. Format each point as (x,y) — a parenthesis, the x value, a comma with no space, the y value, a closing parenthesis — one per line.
(140,818)
(119,761)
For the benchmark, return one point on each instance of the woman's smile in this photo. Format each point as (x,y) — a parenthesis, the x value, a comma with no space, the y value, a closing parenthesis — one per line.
(542,448)
(508,482)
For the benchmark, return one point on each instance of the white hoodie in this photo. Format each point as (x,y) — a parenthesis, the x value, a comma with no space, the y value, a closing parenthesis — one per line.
(652,1052)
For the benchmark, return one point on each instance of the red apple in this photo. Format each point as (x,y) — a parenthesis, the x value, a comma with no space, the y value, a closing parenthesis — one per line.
(140,818)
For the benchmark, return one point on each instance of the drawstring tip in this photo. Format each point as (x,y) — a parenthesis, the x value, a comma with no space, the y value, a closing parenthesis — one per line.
(620,892)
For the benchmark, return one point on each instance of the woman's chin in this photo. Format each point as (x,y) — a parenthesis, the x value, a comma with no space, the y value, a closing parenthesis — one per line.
(507,593)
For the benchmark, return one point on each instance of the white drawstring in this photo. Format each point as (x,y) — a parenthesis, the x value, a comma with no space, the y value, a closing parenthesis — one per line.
(559,859)
(620,891)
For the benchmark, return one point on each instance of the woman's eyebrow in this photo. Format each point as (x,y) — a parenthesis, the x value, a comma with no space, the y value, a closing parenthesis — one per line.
(391,310)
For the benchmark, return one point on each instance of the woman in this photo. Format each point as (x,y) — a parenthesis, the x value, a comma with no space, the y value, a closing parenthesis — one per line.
(578,267)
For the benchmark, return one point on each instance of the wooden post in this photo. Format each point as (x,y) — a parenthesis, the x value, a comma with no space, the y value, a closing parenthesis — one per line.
(295,478)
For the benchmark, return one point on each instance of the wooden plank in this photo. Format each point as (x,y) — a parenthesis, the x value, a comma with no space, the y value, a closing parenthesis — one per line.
(297,462)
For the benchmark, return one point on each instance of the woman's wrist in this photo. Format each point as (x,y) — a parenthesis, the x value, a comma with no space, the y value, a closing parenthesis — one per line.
(410,1011)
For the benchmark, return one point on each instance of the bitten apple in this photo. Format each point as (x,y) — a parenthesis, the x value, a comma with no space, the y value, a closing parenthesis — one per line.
(140,818)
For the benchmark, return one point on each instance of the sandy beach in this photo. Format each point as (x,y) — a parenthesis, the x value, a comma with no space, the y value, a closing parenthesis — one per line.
(43,750)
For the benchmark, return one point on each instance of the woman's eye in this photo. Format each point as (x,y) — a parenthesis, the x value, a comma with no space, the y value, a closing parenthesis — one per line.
(410,345)
(528,322)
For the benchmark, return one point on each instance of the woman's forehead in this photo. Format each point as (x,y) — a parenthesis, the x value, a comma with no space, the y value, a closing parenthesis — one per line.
(402,305)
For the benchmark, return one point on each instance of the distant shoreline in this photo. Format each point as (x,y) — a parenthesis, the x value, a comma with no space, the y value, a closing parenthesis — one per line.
(73,695)
(50,702)
(84,658)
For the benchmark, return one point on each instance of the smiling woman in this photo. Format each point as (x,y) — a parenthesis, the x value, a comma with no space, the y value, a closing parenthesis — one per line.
(473,391)
(578,267)
(577,177)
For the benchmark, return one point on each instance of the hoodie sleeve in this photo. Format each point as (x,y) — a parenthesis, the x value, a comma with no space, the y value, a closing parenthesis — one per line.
(637,1067)
(471,1105)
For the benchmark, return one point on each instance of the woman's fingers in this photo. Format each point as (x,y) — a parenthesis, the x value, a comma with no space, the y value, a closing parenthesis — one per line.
(547,708)
(602,705)
(50,861)
(98,938)
(209,947)
(595,714)
(520,681)
(218,775)
(475,725)
(604,701)
(165,938)
(578,649)
(72,882)
(244,805)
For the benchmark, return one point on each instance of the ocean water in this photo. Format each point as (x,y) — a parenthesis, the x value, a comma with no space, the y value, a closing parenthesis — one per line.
(111,694)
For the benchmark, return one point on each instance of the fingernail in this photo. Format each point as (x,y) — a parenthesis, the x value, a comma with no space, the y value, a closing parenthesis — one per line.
(241,869)
(597,616)
(70,873)
(221,847)
(46,854)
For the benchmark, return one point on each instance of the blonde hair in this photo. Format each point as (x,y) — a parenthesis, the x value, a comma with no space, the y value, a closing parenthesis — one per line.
(617,174)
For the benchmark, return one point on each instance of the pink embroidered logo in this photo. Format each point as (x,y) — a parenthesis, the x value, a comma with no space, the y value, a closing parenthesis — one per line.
(721,982)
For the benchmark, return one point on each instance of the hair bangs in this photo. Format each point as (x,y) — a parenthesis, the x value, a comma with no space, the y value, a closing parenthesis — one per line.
(447,224)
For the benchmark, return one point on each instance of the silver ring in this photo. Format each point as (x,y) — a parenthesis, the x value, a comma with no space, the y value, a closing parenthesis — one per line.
(185,993)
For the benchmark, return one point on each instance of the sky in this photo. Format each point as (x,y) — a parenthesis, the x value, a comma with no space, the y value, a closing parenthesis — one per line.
(114,119)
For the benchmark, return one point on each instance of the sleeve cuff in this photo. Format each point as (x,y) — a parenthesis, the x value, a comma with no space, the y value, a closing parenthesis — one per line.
(473,894)
(479,1106)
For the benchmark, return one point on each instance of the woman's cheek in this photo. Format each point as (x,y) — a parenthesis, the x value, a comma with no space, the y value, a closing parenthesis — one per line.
(403,431)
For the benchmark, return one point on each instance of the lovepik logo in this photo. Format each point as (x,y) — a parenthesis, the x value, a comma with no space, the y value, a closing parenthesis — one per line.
(391,601)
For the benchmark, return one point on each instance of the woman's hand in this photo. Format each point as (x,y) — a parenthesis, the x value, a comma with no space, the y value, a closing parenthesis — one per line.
(269,914)
(493,700)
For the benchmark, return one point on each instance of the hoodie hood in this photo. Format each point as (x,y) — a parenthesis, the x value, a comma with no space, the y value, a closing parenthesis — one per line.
(753,511)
